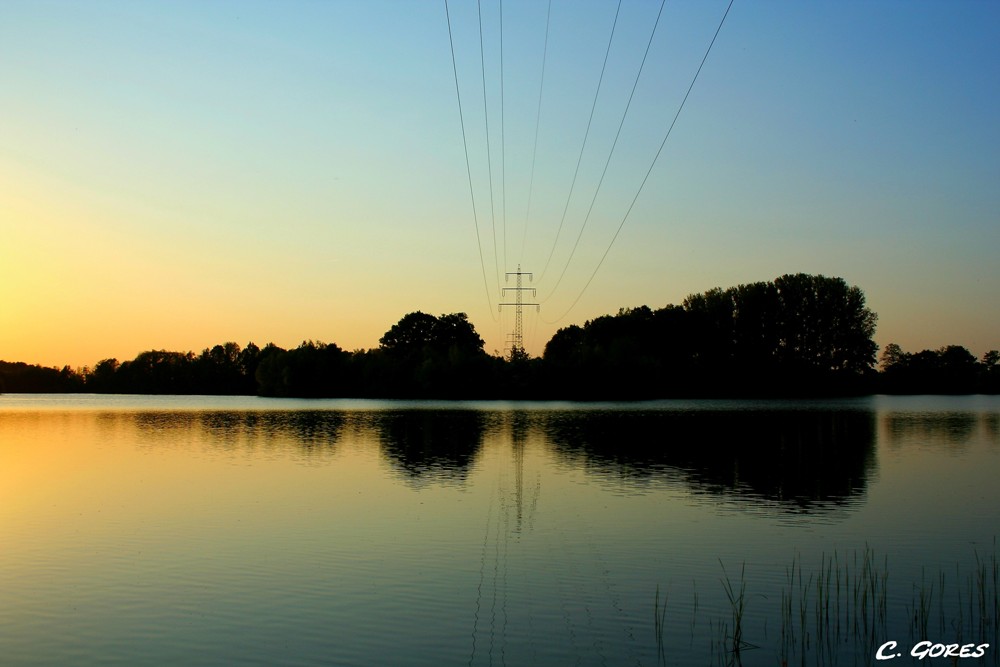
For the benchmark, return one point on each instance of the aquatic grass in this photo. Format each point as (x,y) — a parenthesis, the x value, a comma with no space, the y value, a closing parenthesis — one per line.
(987,593)
(787,627)
(840,610)
(941,585)
(659,623)
(865,612)
(975,599)
(694,614)
(737,607)
(924,597)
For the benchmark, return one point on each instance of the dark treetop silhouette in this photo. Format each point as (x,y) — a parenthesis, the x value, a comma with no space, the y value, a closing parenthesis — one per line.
(797,335)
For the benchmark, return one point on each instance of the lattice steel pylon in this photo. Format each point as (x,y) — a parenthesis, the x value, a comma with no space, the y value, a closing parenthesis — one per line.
(517,337)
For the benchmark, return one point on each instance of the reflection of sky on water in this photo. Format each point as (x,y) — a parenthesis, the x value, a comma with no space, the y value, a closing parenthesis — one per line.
(293,532)
(807,459)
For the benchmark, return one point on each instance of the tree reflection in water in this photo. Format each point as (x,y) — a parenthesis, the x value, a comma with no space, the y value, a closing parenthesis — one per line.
(804,460)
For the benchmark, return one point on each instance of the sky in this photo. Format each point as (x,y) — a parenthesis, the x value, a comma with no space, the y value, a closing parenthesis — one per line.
(175,175)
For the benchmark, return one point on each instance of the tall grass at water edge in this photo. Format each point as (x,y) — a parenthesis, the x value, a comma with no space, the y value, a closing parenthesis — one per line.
(839,612)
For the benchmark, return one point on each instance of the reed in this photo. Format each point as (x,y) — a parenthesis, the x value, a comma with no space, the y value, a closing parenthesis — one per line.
(987,593)
(659,622)
(838,612)
(737,606)
(923,600)
(844,606)
(694,613)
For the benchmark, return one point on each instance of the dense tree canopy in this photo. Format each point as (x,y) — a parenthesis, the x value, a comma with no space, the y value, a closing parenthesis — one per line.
(21,377)
(948,370)
(801,322)
(797,335)
(423,355)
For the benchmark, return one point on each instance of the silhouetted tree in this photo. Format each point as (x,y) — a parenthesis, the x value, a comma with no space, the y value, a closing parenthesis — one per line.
(711,317)
(217,370)
(19,377)
(103,379)
(824,324)
(959,368)
(246,363)
(566,346)
(991,372)
(271,380)
(312,370)
(892,357)
(158,372)
(948,370)
(428,356)
(799,334)
(409,337)
(567,362)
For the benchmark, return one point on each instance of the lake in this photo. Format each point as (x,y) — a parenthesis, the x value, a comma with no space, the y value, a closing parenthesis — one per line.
(239,530)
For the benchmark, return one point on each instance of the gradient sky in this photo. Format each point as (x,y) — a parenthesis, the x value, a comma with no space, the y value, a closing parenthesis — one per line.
(175,175)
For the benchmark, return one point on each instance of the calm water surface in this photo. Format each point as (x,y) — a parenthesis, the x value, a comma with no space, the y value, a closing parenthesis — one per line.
(207,531)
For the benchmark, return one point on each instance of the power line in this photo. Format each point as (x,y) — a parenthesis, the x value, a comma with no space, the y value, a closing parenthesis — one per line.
(489,159)
(538,117)
(503,149)
(614,144)
(468,168)
(586,134)
(652,164)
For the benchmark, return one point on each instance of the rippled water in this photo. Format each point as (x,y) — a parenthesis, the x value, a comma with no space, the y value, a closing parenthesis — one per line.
(206,530)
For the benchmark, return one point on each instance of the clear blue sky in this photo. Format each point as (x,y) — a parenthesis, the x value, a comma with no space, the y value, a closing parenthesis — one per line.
(175,175)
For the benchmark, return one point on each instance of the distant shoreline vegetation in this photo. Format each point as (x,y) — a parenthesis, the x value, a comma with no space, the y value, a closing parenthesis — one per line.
(799,335)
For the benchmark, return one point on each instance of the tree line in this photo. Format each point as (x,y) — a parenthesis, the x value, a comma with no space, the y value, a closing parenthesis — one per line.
(948,370)
(799,335)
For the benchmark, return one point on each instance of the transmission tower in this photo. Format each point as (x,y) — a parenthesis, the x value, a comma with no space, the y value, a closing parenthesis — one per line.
(517,338)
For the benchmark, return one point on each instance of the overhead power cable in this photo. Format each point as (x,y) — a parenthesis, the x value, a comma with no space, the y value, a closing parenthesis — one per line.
(538,117)
(468,168)
(503,150)
(652,164)
(489,159)
(614,144)
(584,146)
